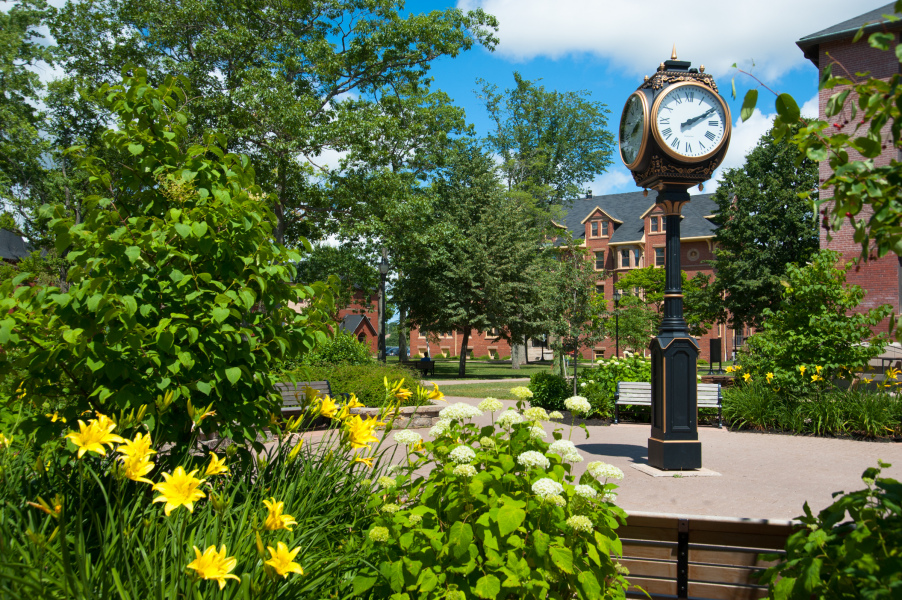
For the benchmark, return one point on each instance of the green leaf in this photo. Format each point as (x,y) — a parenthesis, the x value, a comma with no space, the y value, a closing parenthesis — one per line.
(540,541)
(867,147)
(361,584)
(509,518)
(459,538)
(182,229)
(787,109)
(133,253)
(427,580)
(487,586)
(233,374)
(562,558)
(748,104)
(881,40)
(199,229)
(589,583)
(220,314)
(204,387)
(135,149)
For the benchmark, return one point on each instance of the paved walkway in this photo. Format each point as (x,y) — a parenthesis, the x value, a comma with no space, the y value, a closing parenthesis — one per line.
(762,475)
(443,382)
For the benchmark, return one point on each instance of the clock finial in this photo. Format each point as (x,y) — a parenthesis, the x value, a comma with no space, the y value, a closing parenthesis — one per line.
(673,55)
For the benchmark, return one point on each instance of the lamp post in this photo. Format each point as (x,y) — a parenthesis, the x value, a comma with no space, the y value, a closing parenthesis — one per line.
(617,297)
(383,271)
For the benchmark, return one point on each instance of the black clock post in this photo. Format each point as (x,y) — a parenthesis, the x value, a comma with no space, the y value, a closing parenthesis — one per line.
(674,132)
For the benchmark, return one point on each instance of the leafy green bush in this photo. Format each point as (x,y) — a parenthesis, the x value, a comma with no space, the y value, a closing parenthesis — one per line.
(499,515)
(836,556)
(344,349)
(366,381)
(174,286)
(84,528)
(815,333)
(601,381)
(549,390)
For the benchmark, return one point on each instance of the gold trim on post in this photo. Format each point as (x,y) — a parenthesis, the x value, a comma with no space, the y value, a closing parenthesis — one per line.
(724,141)
(645,120)
(672,207)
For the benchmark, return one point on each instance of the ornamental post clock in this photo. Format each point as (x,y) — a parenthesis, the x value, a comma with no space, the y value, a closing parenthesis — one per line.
(674,131)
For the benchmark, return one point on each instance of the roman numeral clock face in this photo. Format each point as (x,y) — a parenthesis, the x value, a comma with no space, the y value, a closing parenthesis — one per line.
(691,122)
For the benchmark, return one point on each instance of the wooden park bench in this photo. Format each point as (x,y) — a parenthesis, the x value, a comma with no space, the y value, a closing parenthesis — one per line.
(712,558)
(427,367)
(639,394)
(294,395)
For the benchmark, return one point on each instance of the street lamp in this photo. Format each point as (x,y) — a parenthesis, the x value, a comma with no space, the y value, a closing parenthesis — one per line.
(383,271)
(617,296)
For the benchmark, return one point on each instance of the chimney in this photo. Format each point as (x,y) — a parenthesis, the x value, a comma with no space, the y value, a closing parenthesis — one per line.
(589,193)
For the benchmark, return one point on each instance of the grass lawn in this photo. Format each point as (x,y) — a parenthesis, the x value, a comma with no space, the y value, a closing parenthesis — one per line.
(447,369)
(498,390)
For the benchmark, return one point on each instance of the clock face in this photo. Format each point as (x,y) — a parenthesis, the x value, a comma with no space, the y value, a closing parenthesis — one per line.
(691,122)
(633,129)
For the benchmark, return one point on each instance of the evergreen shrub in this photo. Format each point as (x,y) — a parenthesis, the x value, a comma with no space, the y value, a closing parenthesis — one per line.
(549,390)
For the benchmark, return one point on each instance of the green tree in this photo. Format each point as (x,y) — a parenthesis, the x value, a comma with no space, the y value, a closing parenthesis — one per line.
(283,81)
(476,261)
(551,143)
(649,281)
(352,271)
(639,323)
(175,292)
(763,226)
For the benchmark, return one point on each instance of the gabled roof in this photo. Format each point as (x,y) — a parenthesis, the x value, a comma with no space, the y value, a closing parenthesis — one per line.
(12,247)
(351,323)
(630,209)
(602,211)
(847,29)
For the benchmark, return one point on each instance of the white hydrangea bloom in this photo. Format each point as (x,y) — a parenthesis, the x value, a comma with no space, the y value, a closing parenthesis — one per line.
(379,534)
(390,508)
(491,405)
(509,417)
(609,497)
(459,411)
(585,491)
(547,487)
(415,519)
(407,437)
(462,455)
(486,442)
(387,482)
(537,433)
(556,500)
(578,404)
(465,470)
(521,392)
(440,428)
(562,447)
(536,413)
(394,470)
(573,457)
(555,415)
(601,470)
(579,523)
(532,459)
(583,384)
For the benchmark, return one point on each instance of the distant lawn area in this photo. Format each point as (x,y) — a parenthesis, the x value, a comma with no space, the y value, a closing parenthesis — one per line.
(447,369)
(498,390)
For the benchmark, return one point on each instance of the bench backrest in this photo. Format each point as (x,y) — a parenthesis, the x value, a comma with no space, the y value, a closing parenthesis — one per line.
(295,395)
(699,557)
(640,393)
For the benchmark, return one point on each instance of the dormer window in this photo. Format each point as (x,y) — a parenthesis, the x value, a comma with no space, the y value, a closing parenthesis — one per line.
(604,228)
(663,223)
(594,228)
(653,224)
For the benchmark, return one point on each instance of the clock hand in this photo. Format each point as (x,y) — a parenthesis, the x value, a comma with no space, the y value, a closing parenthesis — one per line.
(695,120)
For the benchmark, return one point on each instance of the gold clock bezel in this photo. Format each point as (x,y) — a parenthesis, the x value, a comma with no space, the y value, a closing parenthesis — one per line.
(642,146)
(724,141)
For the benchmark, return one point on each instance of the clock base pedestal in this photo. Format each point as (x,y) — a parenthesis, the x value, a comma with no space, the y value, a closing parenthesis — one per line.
(674,455)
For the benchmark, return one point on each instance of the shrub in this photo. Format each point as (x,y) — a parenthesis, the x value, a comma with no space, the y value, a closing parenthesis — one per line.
(174,285)
(836,557)
(601,381)
(498,516)
(366,381)
(549,390)
(343,349)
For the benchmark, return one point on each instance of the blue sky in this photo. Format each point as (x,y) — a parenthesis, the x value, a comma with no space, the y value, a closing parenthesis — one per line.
(606,46)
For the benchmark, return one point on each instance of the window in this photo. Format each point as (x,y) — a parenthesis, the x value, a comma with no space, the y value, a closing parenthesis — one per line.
(625,259)
(599,260)
(594,228)
(604,228)
(659,257)
(653,223)
(637,256)
(599,289)
(361,338)
(599,354)
(663,223)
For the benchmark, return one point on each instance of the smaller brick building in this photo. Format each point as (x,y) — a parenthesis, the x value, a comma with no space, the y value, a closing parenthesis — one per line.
(361,318)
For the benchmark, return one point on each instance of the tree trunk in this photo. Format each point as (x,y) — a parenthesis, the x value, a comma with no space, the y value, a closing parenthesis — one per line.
(526,351)
(515,355)
(402,335)
(462,369)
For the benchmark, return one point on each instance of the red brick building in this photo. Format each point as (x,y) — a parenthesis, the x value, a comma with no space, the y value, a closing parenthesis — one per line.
(623,232)
(361,318)
(881,277)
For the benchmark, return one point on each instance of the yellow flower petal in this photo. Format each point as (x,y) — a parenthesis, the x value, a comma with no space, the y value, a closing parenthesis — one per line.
(214,565)
(282,559)
(179,489)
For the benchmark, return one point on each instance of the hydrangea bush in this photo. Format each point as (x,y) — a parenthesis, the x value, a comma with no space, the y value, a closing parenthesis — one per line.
(599,384)
(499,515)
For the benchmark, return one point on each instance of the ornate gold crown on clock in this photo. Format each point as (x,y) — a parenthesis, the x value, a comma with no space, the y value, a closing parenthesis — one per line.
(675,128)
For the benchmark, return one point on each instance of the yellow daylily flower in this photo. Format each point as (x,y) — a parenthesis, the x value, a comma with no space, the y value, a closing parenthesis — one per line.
(282,559)
(275,520)
(214,565)
(892,373)
(55,417)
(729,369)
(354,402)
(217,466)
(328,407)
(802,369)
(93,436)
(747,377)
(435,394)
(179,489)
(397,390)
(770,377)
(136,467)
(816,378)
(294,452)
(368,461)
(53,511)
(819,369)
(360,432)
(5,442)
(140,446)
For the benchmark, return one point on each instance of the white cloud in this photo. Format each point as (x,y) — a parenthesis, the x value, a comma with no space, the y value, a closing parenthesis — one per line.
(638,34)
(616,181)
(810,108)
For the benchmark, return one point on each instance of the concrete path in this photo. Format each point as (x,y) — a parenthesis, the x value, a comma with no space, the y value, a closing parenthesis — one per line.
(761,475)
(514,381)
